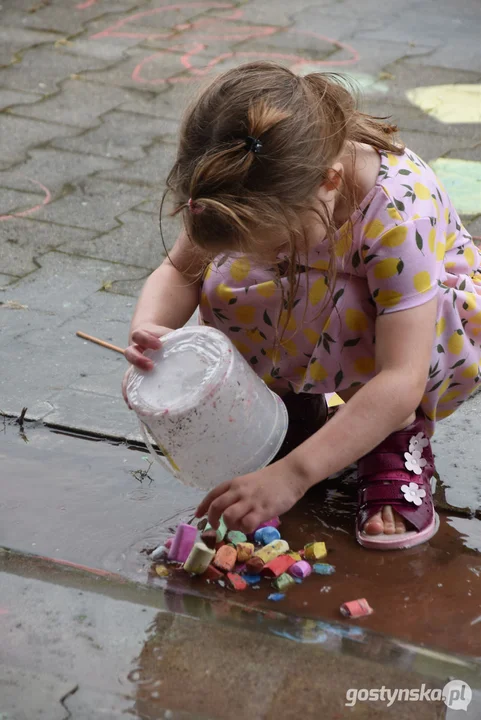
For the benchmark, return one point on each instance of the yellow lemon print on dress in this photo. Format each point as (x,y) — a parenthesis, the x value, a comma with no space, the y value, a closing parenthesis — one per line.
(245,314)
(476,319)
(440,248)
(471,371)
(365,365)
(441,414)
(432,239)
(254,336)
(413,167)
(422,281)
(440,326)
(343,245)
(242,348)
(268,379)
(356,320)
(456,342)
(394,213)
(318,372)
(388,298)
(387,268)
(240,268)
(373,229)
(318,290)
(224,292)
(394,237)
(470,299)
(450,240)
(393,160)
(449,396)
(444,386)
(290,347)
(421,191)
(208,271)
(320,265)
(266,289)
(312,335)
(287,324)
(469,255)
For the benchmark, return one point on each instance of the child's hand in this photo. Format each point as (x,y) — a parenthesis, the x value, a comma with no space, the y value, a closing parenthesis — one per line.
(144,337)
(248,501)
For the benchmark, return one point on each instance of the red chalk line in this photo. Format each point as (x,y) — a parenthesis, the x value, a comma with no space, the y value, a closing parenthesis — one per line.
(24,213)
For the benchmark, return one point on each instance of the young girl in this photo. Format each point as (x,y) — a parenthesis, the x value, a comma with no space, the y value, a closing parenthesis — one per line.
(334,260)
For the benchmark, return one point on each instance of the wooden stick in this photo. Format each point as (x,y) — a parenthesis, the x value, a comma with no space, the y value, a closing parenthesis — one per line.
(104,344)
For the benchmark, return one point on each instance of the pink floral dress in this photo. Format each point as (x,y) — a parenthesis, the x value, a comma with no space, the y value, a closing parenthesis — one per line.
(406,247)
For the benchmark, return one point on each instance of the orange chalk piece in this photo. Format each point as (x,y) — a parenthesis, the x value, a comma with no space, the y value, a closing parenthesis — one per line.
(235,582)
(278,566)
(225,558)
(245,550)
(315,551)
(356,608)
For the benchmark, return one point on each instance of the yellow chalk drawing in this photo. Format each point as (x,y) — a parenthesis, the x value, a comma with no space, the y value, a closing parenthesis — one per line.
(449,103)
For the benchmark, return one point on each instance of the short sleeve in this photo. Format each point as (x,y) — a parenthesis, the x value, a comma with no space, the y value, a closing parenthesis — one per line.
(403,265)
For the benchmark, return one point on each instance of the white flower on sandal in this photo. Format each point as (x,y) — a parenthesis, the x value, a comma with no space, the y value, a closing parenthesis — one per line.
(413,493)
(414,462)
(418,442)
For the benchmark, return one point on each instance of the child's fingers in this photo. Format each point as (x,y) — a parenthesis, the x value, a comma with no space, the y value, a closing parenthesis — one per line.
(210,497)
(220,504)
(146,339)
(249,523)
(135,357)
(233,515)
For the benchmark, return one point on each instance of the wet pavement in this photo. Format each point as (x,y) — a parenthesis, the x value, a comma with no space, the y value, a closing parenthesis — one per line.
(99,505)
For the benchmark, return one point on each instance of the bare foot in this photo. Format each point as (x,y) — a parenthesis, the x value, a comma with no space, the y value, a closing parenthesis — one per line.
(387,521)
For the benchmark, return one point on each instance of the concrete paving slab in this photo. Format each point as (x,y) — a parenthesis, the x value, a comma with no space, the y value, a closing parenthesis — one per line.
(23,133)
(15,39)
(8,98)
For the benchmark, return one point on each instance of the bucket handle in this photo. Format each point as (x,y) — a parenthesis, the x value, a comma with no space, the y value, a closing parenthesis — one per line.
(165,460)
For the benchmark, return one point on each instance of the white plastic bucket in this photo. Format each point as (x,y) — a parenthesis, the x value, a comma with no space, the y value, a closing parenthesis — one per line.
(211,416)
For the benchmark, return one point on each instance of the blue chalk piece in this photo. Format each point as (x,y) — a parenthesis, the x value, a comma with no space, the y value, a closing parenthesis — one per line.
(323,569)
(252,579)
(266,535)
(276,596)
(298,580)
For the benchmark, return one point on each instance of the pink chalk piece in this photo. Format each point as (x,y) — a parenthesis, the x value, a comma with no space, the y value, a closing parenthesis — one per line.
(183,542)
(274,522)
(168,543)
(300,569)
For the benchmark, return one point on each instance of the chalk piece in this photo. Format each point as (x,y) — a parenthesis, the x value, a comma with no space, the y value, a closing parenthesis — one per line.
(161,570)
(158,552)
(323,569)
(275,597)
(212,574)
(199,559)
(201,524)
(240,568)
(278,566)
(225,558)
(252,579)
(266,535)
(283,582)
(209,538)
(221,530)
(168,542)
(183,542)
(356,608)
(315,551)
(245,550)
(235,537)
(254,565)
(300,569)
(295,555)
(272,550)
(273,522)
(235,582)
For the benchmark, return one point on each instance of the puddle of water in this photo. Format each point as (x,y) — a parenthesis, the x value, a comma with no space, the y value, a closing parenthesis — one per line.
(80,501)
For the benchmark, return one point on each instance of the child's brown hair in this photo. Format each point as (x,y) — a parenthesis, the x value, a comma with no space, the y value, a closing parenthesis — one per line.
(302,123)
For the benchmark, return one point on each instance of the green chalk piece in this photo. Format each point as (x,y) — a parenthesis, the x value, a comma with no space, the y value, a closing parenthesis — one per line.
(235,537)
(221,530)
(283,582)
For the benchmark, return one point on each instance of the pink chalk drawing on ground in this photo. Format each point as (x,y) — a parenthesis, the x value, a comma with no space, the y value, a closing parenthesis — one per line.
(86,4)
(29,211)
(191,39)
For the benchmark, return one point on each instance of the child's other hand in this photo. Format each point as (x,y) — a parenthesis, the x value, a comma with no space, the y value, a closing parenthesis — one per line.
(145,337)
(250,500)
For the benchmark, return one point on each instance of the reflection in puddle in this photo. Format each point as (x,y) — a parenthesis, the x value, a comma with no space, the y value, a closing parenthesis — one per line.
(79,501)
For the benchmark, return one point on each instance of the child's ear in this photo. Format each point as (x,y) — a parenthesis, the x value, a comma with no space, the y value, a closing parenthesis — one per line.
(334,177)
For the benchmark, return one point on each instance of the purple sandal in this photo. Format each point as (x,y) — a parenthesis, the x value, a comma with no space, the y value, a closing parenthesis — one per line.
(398,472)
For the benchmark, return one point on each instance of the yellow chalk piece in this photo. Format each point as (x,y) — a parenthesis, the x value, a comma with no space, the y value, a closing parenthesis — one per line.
(333,400)
(272,550)
(245,550)
(295,555)
(200,557)
(315,551)
(161,570)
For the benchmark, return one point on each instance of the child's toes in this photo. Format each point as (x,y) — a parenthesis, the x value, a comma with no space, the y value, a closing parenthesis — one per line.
(388,519)
(375,525)
(399,523)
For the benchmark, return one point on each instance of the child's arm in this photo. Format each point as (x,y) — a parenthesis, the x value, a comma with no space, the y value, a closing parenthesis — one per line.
(167,301)
(404,342)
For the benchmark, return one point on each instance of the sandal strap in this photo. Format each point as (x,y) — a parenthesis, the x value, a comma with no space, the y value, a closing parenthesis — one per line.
(388,491)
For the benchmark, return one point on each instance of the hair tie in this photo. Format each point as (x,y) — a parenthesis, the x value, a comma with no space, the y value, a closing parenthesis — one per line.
(253,144)
(194,207)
